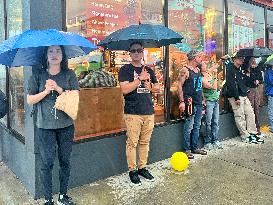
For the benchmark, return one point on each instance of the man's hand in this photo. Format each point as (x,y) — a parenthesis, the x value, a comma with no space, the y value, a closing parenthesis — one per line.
(182,106)
(237,102)
(144,75)
(225,57)
(148,85)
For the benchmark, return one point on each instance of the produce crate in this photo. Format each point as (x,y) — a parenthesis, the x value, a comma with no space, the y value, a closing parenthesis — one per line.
(100,112)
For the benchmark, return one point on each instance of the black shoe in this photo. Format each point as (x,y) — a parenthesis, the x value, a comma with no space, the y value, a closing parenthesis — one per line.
(134,178)
(146,174)
(65,200)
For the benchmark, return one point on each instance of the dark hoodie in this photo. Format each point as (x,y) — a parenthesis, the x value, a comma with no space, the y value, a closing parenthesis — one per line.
(236,81)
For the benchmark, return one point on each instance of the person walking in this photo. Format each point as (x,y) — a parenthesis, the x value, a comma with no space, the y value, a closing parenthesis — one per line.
(190,89)
(237,90)
(137,83)
(211,97)
(55,128)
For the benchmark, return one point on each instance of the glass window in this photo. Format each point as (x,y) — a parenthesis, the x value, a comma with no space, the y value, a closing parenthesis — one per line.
(95,20)
(16,76)
(270,24)
(246,25)
(200,22)
(2,68)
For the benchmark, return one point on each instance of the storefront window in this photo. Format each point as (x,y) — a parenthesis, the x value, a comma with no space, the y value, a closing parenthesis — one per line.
(2,68)
(200,22)
(246,25)
(102,112)
(16,76)
(270,25)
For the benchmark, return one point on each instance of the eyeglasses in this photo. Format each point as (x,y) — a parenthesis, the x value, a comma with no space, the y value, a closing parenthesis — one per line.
(139,50)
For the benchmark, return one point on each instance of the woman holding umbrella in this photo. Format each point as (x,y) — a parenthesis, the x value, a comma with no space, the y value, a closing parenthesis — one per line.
(55,128)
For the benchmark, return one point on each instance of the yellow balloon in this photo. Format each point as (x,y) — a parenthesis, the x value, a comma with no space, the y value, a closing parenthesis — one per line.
(179,161)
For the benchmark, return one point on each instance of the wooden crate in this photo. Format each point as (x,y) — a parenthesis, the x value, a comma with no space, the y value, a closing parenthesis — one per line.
(100,112)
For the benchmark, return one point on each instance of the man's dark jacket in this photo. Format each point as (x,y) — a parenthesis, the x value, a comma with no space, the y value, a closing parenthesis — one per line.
(236,81)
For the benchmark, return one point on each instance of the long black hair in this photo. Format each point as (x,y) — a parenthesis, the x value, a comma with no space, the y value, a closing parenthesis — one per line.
(64,62)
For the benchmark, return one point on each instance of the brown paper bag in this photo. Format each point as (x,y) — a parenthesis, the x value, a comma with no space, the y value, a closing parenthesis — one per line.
(68,102)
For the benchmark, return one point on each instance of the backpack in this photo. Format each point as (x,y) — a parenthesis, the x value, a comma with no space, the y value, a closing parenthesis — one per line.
(3,105)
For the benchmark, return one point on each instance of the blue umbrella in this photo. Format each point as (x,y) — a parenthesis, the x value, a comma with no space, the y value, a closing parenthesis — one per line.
(28,48)
(151,36)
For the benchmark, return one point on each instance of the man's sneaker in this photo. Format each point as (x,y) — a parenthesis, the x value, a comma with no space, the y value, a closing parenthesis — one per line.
(217,145)
(65,200)
(49,202)
(133,175)
(256,139)
(199,151)
(208,147)
(246,139)
(146,174)
(189,154)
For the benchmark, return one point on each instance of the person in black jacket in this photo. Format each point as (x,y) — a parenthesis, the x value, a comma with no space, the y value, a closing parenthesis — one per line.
(236,81)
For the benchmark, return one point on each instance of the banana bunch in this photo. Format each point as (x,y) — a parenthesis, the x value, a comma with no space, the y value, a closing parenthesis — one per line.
(97,79)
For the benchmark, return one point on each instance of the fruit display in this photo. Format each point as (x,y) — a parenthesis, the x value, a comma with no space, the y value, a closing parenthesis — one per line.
(97,79)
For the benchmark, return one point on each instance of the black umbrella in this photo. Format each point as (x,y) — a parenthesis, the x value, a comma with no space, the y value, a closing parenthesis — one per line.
(254,52)
(151,36)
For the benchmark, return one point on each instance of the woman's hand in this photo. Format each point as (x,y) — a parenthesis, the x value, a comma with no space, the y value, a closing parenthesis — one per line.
(54,86)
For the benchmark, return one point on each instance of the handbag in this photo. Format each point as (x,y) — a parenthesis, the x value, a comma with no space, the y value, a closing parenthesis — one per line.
(68,102)
(188,108)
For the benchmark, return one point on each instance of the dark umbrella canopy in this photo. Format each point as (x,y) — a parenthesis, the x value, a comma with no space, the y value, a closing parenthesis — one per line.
(28,48)
(151,36)
(254,52)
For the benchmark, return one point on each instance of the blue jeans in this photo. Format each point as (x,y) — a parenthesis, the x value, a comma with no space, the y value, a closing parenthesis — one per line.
(48,141)
(191,129)
(270,112)
(212,119)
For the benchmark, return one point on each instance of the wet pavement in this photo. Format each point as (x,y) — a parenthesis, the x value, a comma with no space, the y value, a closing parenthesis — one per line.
(239,174)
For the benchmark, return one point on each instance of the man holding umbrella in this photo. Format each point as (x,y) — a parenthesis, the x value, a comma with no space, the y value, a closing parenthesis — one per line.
(137,83)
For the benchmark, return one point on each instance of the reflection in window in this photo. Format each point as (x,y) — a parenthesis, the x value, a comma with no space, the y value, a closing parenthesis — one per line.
(95,20)
(16,76)
(246,25)
(17,112)
(200,22)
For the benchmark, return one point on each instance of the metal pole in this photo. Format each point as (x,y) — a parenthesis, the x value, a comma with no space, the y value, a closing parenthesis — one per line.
(166,69)
(63,2)
(266,30)
(6,67)
(226,103)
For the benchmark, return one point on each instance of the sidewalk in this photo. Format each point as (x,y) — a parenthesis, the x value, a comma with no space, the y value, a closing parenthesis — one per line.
(239,174)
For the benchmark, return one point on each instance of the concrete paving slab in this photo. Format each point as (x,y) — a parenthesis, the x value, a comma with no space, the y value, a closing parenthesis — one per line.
(239,174)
